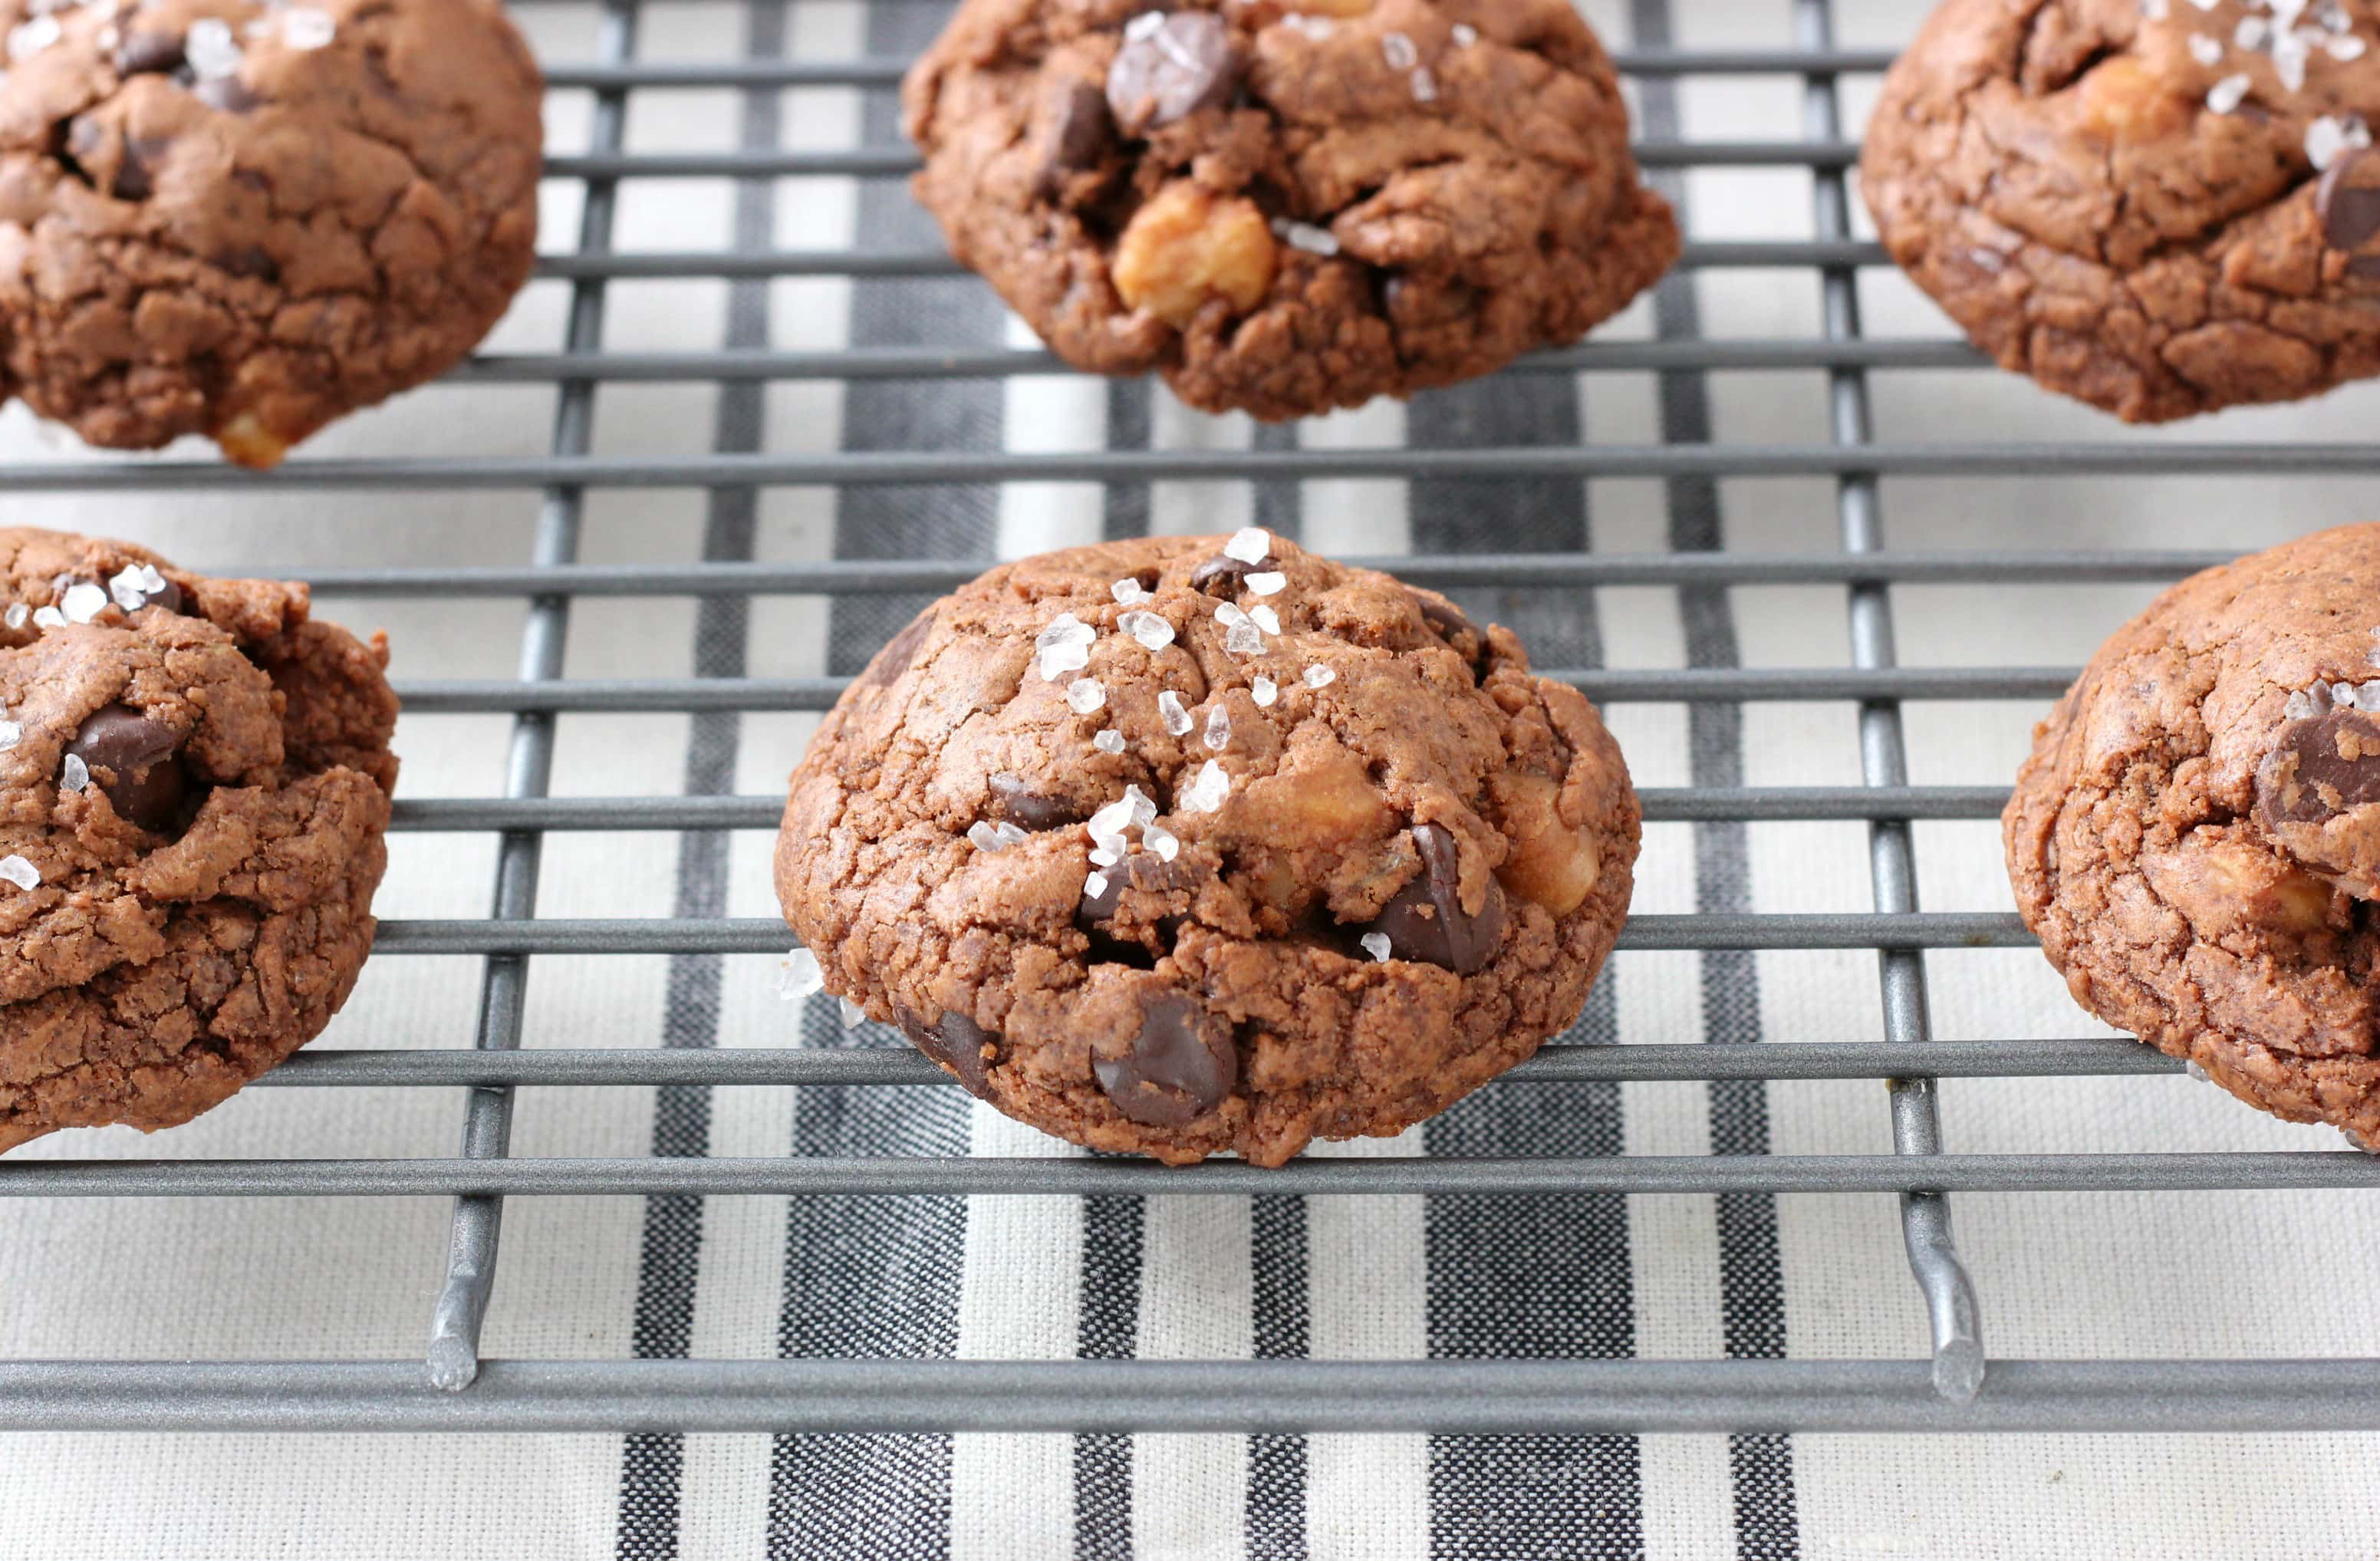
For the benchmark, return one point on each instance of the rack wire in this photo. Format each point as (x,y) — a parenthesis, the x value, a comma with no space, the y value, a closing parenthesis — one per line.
(1947,1387)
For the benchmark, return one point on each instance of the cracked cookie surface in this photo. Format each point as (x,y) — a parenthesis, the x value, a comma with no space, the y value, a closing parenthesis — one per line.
(194,787)
(245,219)
(2161,209)
(2195,837)
(1190,845)
(1286,210)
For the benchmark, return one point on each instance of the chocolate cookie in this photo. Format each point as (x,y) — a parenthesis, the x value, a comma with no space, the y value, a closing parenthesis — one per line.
(243,218)
(1288,210)
(2196,837)
(1197,845)
(194,783)
(2160,207)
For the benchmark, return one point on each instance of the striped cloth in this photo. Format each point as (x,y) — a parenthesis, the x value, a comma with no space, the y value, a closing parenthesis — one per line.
(1274,1276)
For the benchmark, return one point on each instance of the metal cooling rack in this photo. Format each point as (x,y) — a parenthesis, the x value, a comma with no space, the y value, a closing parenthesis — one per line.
(1937,1390)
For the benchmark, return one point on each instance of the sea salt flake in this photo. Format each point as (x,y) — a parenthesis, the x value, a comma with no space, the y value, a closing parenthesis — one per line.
(1127,592)
(1095,885)
(1244,639)
(1399,51)
(2346,46)
(1249,545)
(1465,34)
(853,1016)
(2155,10)
(1375,944)
(1162,840)
(131,592)
(83,602)
(798,975)
(303,27)
(18,615)
(2367,696)
(1305,235)
(2343,694)
(1219,728)
(49,617)
(1143,811)
(985,838)
(1084,695)
(1152,631)
(2206,5)
(2227,93)
(11,734)
(1108,742)
(1177,720)
(1264,618)
(1315,28)
(2328,137)
(19,871)
(2289,60)
(151,582)
(210,50)
(2297,707)
(1065,646)
(1320,677)
(1263,690)
(2198,1073)
(2252,33)
(2205,50)
(1424,85)
(1270,583)
(1207,793)
(29,38)
(73,774)
(1144,25)
(1229,615)
(1008,832)
(1102,856)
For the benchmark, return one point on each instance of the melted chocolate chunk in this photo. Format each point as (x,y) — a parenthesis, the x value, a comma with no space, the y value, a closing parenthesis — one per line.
(2348,199)
(131,757)
(1182,1065)
(1186,64)
(956,1042)
(2320,767)
(168,599)
(1427,921)
(1225,576)
(1027,809)
(894,658)
(1081,132)
(149,54)
(136,174)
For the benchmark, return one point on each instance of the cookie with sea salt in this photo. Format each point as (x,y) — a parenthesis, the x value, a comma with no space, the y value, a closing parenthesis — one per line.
(194,780)
(1285,207)
(245,218)
(2160,207)
(2196,837)
(1189,845)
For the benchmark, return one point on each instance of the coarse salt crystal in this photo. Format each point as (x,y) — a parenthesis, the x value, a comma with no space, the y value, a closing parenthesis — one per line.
(1065,646)
(1144,25)
(1315,28)
(73,774)
(2297,707)
(2343,693)
(1152,631)
(1108,742)
(1009,833)
(1465,34)
(1102,856)
(1249,545)
(2198,1073)
(131,592)
(83,602)
(49,617)
(1320,677)
(2205,50)
(2289,60)
(1095,885)
(1143,811)
(1264,618)
(2367,695)
(2326,136)
(29,38)
(1207,793)
(2155,9)
(151,582)
(2346,46)
(18,615)
(1177,720)
(1305,235)
(1219,728)
(2252,33)
(1399,51)
(853,1016)
(2206,5)
(19,871)
(2227,93)
(798,975)
(1375,944)
(985,838)
(11,734)
(1162,840)
(1424,85)
(305,28)
(1127,592)
(1263,689)
(1084,695)
(1268,583)
(1243,639)
(210,50)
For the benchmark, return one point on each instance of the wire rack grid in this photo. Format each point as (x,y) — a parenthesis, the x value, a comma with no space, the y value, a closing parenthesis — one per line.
(1946,1385)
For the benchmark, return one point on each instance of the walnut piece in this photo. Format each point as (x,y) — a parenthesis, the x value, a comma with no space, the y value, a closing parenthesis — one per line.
(1551,863)
(1187,246)
(2123,101)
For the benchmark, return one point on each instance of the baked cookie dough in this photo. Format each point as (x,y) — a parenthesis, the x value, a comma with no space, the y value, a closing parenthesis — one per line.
(1288,210)
(243,218)
(1192,844)
(2196,837)
(194,783)
(2160,207)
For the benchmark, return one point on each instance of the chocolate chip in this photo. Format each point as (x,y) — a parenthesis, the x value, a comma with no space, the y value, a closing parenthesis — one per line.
(894,658)
(146,53)
(2365,266)
(1182,1065)
(1027,809)
(2320,767)
(136,173)
(2348,199)
(1226,576)
(132,759)
(1445,619)
(1425,921)
(1187,63)
(1082,129)
(227,93)
(168,599)
(249,262)
(954,1041)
